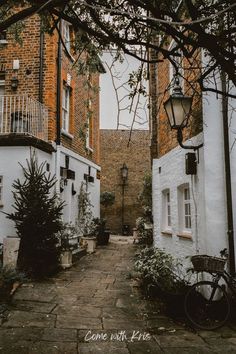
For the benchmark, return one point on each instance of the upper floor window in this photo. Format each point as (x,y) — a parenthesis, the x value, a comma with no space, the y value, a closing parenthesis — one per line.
(166,210)
(3,37)
(176,66)
(66,108)
(67,35)
(184,208)
(1,190)
(89,140)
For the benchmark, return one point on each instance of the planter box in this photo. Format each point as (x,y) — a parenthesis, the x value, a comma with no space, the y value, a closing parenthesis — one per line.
(10,251)
(103,239)
(89,242)
(66,259)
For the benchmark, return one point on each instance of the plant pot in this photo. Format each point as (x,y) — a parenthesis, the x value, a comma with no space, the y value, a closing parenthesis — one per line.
(103,238)
(66,259)
(89,242)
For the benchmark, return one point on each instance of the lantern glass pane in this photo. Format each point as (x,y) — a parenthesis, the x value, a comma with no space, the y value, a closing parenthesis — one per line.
(169,111)
(181,108)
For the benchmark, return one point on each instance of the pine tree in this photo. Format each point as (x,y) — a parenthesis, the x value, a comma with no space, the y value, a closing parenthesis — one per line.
(37,218)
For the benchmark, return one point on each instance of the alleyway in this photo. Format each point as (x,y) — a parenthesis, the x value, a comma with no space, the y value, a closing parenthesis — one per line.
(95,308)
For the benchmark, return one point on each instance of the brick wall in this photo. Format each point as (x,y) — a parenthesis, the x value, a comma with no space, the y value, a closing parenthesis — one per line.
(165,137)
(114,152)
(28,53)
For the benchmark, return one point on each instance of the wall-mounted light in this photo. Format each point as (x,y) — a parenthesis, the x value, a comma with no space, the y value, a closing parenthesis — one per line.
(178,108)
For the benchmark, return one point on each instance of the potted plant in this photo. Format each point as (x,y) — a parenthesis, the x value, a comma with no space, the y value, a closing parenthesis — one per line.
(85,223)
(102,233)
(68,240)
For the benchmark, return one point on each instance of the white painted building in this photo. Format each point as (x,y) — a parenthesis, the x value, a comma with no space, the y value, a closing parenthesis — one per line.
(12,156)
(190,211)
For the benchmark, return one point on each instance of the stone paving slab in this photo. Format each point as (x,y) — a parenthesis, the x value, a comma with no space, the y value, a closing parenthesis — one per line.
(72,321)
(29,319)
(95,307)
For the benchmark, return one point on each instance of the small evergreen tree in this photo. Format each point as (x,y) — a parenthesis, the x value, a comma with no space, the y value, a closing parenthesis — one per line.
(37,219)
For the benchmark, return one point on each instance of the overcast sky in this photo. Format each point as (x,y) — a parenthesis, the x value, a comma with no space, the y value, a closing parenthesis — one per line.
(109,106)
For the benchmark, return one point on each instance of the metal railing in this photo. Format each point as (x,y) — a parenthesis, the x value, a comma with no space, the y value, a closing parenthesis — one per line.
(23,115)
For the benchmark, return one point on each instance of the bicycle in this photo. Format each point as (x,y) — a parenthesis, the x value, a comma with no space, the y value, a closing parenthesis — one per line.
(207,304)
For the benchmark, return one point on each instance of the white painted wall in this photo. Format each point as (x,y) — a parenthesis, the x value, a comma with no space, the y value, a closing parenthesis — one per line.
(209,218)
(169,173)
(10,157)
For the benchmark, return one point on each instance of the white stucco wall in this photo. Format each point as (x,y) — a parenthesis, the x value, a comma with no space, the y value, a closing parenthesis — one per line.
(10,157)
(169,173)
(209,219)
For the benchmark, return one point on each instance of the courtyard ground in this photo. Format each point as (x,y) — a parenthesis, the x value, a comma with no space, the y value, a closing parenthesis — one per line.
(96,307)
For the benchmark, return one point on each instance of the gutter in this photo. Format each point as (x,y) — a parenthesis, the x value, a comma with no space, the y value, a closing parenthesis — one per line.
(58,111)
(229,202)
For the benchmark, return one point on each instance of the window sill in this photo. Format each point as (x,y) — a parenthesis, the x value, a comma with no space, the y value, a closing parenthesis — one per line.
(166,233)
(67,134)
(3,41)
(185,235)
(89,148)
(69,56)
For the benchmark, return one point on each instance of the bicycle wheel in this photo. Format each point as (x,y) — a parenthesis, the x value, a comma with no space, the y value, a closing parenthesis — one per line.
(207,305)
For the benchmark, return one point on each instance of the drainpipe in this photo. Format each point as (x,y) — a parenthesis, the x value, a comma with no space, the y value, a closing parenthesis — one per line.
(230,231)
(58,118)
(41,56)
(58,114)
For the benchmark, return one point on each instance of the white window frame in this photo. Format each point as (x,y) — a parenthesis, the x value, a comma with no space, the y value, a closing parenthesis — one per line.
(67,35)
(187,222)
(166,211)
(66,108)
(172,70)
(2,85)
(185,209)
(88,147)
(1,190)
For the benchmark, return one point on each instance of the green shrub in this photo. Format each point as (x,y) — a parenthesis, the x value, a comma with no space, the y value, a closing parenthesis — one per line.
(37,218)
(145,235)
(160,269)
(107,198)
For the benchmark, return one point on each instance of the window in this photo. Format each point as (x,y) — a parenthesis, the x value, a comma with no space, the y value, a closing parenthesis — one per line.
(187,208)
(184,209)
(3,37)
(1,190)
(67,35)
(66,108)
(178,60)
(2,92)
(166,210)
(89,140)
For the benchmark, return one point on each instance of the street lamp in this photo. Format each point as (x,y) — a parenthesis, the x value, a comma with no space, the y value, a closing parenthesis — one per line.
(124,177)
(178,108)
(124,173)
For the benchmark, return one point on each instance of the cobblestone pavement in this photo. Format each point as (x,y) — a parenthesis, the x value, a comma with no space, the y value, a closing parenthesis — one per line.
(95,307)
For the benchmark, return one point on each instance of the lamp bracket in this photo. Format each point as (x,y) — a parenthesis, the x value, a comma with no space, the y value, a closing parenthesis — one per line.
(180,141)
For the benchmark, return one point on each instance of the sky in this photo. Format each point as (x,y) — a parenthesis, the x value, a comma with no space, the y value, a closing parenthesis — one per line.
(114,101)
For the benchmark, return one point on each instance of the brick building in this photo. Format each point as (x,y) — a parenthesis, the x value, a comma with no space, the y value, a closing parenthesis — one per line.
(47,108)
(190,207)
(136,156)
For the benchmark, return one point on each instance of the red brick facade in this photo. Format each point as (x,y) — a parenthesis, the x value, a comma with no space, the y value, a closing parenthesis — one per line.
(161,132)
(115,152)
(28,53)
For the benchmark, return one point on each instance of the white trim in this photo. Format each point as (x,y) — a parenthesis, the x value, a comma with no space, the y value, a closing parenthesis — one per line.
(1,191)
(66,133)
